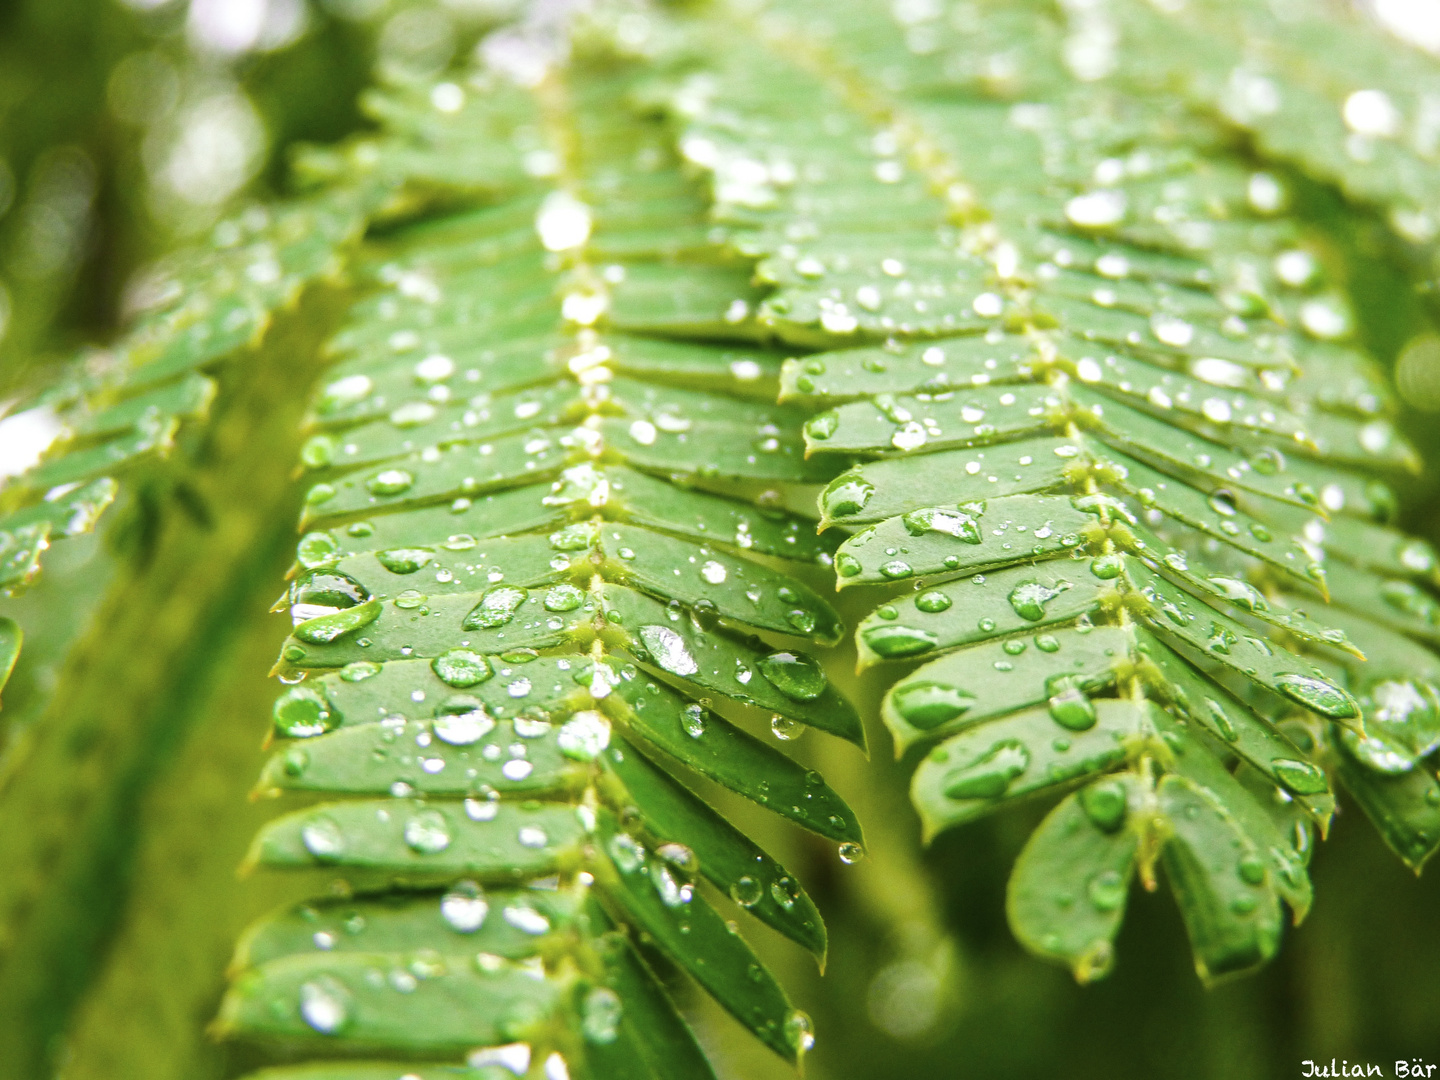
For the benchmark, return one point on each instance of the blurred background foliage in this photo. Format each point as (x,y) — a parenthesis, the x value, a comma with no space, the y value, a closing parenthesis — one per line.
(129,126)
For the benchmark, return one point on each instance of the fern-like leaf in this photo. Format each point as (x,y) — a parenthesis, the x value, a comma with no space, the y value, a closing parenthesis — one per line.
(1104,415)
(544,534)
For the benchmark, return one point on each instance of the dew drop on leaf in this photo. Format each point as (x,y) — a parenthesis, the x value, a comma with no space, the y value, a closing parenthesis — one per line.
(461,668)
(325,1005)
(427,832)
(797,676)
(990,775)
(464,907)
(927,705)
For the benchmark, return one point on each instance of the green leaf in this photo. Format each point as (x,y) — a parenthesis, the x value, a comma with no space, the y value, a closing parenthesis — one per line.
(449,1006)
(722,853)
(1231,913)
(972,773)
(1066,897)
(659,899)
(11,637)
(963,538)
(1014,600)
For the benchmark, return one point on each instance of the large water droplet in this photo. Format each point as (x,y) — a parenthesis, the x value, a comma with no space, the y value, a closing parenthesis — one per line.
(797,676)
(746,891)
(933,602)
(563,598)
(1251,869)
(799,1032)
(1030,597)
(464,907)
(894,641)
(600,1015)
(1301,777)
(325,592)
(323,839)
(461,668)
(692,719)
(427,832)
(302,712)
(496,608)
(1106,890)
(1070,708)
(927,705)
(954,523)
(1240,592)
(846,495)
(390,482)
(989,776)
(1323,697)
(325,1004)
(584,735)
(1105,804)
(668,650)
(462,721)
(404,560)
(329,628)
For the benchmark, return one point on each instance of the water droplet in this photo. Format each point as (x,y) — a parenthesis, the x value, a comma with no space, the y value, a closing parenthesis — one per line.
(532,836)
(461,668)
(927,705)
(563,598)
(786,729)
(600,1015)
(1106,890)
(323,839)
(1096,209)
(1105,804)
(895,641)
(628,855)
(1030,597)
(933,601)
(822,426)
(1323,697)
(1251,869)
(746,891)
(1301,777)
(713,572)
(672,891)
(692,719)
(799,1032)
(326,629)
(390,482)
(325,1004)
(1240,592)
(427,832)
(785,891)
(1071,709)
(496,608)
(990,775)
(325,592)
(317,549)
(954,523)
(462,721)
(302,712)
(668,650)
(563,222)
(1106,567)
(846,495)
(410,599)
(464,907)
(797,676)
(851,853)
(584,735)
(404,560)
